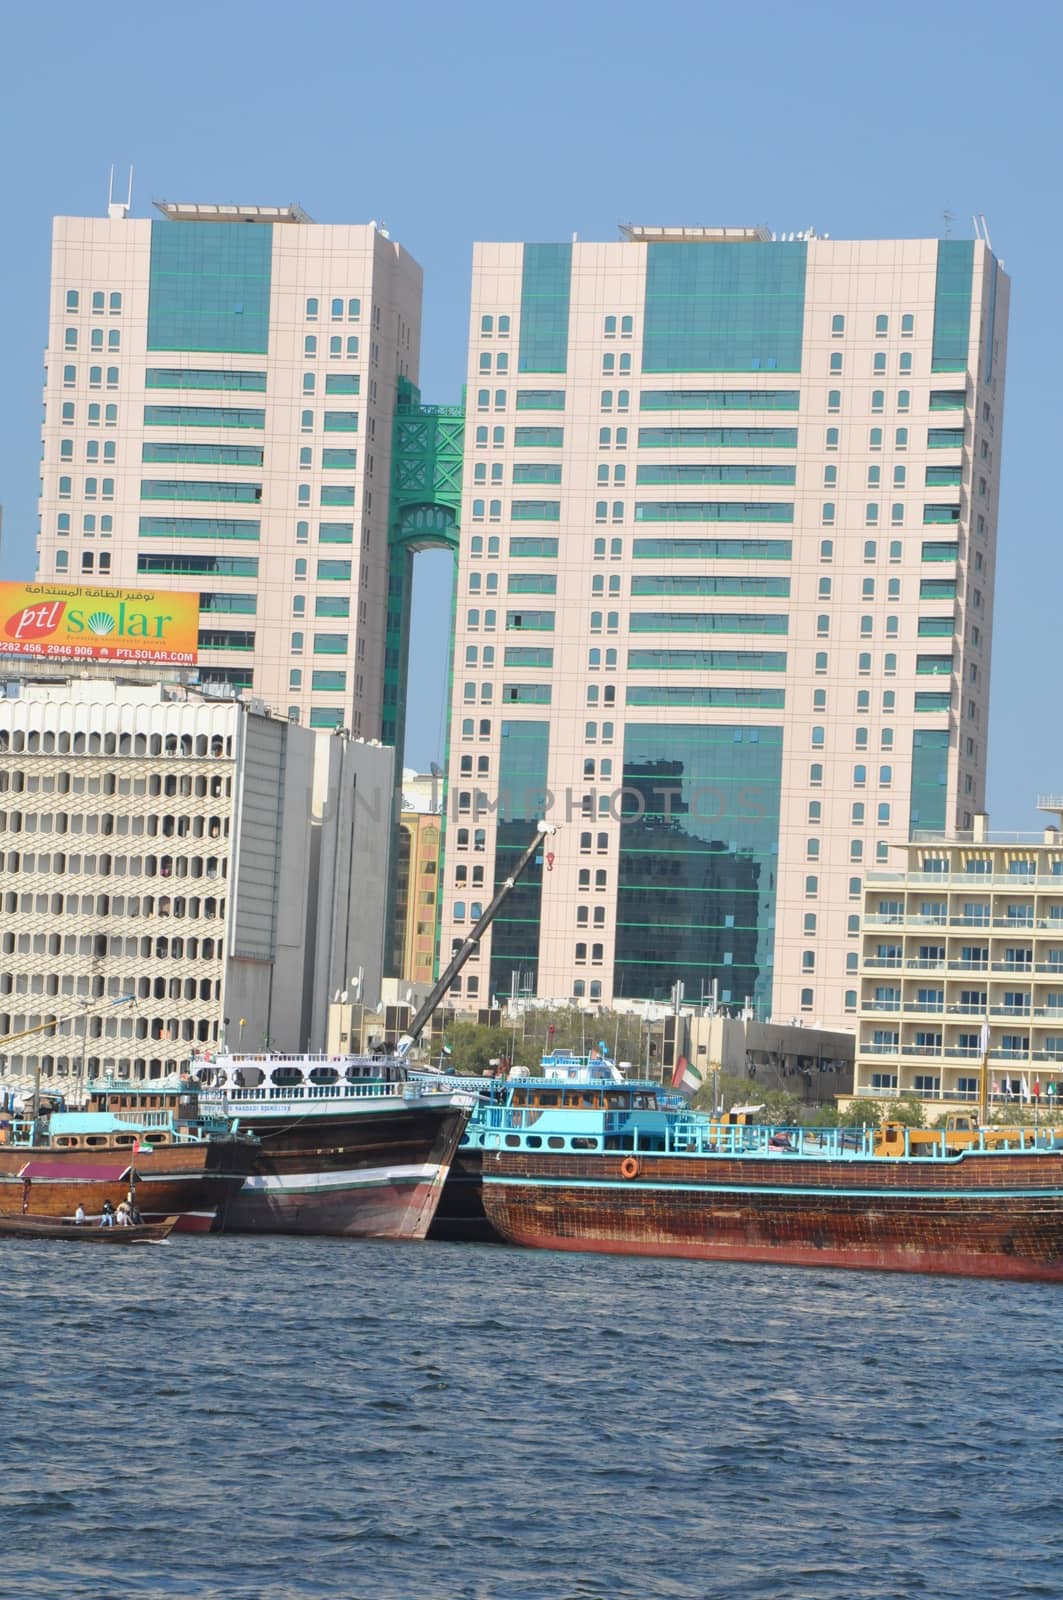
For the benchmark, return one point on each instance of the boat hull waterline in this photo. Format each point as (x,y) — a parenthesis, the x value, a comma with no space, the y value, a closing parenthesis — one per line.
(980,1216)
(393,1202)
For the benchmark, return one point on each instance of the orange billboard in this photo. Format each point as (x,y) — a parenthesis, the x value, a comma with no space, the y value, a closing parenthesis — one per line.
(66,622)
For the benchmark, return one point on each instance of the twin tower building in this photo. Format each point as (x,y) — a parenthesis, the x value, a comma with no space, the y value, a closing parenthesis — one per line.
(724,511)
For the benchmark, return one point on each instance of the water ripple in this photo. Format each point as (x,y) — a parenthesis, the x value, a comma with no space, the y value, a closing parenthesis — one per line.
(229,1419)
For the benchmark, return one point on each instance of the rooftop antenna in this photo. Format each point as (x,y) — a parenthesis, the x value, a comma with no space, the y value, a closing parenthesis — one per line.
(949,218)
(118,210)
(985,230)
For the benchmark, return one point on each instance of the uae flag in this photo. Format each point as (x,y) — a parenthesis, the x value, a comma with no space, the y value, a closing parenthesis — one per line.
(686,1076)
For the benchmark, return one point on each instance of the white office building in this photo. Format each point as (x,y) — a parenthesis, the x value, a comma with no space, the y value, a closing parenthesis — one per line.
(178,872)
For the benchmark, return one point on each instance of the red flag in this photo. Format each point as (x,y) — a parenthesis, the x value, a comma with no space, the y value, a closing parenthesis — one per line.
(1037,1088)
(136,1147)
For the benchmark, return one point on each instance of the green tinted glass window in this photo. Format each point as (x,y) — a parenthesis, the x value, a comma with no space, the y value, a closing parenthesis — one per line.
(679,694)
(196,566)
(930,773)
(714,511)
(718,438)
(197,528)
(712,549)
(540,399)
(697,861)
(532,545)
(532,583)
(716,472)
(204,455)
(544,299)
(724,307)
(518,655)
(203,417)
(952,305)
(707,622)
(212,601)
(202,378)
(707,660)
(538,438)
(720,400)
(343,383)
(209,287)
(535,511)
(683,583)
(197,489)
(522,798)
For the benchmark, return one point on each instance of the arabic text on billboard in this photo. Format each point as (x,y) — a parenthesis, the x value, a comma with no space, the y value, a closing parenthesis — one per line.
(64,622)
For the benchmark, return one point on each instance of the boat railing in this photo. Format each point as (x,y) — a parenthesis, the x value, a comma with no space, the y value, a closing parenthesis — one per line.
(702,1136)
(267,1094)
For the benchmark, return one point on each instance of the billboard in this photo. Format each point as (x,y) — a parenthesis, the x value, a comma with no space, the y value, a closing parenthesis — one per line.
(66,622)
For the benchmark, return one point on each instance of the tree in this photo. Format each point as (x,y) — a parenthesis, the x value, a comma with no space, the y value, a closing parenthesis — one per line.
(861,1114)
(909,1111)
(474,1046)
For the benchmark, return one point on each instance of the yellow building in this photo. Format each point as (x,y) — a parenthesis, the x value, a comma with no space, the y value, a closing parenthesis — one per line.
(416,887)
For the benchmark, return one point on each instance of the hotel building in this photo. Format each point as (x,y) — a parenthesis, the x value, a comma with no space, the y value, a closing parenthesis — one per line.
(724,605)
(219,398)
(966,930)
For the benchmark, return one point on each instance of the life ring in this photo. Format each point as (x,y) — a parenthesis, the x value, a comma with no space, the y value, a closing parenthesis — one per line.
(630,1167)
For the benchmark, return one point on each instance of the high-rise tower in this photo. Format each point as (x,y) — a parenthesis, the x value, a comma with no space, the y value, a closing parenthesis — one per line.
(219,402)
(724,601)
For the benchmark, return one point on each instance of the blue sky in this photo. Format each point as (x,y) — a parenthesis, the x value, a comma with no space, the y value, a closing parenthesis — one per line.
(477,121)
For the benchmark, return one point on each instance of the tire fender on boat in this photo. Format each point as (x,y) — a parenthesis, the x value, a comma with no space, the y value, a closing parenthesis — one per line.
(630,1167)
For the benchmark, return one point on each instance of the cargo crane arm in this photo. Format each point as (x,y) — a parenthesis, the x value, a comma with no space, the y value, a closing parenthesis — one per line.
(71,1016)
(465,950)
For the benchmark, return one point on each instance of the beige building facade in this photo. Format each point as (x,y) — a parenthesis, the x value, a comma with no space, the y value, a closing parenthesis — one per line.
(219,401)
(724,602)
(965,934)
(177,873)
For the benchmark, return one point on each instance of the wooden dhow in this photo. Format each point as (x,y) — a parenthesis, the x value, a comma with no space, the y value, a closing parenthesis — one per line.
(654,1184)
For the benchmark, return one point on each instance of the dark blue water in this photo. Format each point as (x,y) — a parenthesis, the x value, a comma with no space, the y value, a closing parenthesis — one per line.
(284,1419)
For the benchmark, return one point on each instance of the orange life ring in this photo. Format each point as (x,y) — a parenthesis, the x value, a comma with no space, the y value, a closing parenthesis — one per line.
(630,1167)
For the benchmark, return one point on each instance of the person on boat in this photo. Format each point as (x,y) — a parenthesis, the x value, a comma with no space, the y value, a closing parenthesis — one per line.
(134,1214)
(79,1214)
(107,1215)
(124,1215)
